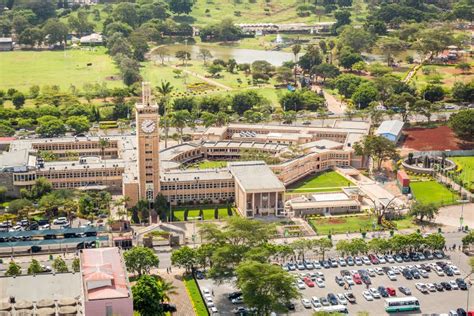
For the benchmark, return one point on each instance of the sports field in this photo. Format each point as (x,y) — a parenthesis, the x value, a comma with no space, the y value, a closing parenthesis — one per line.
(433,192)
(22,69)
(329,181)
(467,165)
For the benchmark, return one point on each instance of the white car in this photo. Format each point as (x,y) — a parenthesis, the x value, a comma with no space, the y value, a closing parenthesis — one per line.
(317,265)
(354,272)
(316,302)
(371,272)
(367,296)
(454,285)
(306,303)
(455,270)
(45,227)
(214,310)
(431,287)
(319,275)
(349,280)
(439,271)
(341,299)
(422,287)
(389,259)
(374,292)
(423,273)
(358,261)
(205,291)
(300,266)
(396,270)
(320,282)
(238,300)
(300,285)
(379,271)
(366,260)
(60,221)
(391,275)
(381,259)
(342,262)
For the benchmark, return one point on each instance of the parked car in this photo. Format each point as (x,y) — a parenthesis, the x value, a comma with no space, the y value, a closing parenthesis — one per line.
(446,286)
(375,293)
(391,275)
(367,296)
(342,262)
(339,280)
(308,265)
(454,284)
(350,261)
(431,287)
(306,303)
(358,261)
(422,288)
(373,259)
(404,290)
(233,295)
(462,284)
(324,301)
(332,299)
(341,299)
(308,282)
(391,291)
(350,297)
(438,287)
(316,302)
(320,283)
(357,279)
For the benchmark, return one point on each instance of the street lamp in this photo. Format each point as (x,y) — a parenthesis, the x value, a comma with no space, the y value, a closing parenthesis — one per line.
(461,218)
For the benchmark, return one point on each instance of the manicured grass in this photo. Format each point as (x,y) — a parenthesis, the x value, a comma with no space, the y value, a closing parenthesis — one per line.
(447,74)
(467,174)
(326,181)
(352,224)
(196,298)
(208,164)
(208,213)
(433,192)
(22,69)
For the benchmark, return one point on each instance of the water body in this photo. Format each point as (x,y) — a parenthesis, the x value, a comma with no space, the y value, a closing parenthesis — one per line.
(241,55)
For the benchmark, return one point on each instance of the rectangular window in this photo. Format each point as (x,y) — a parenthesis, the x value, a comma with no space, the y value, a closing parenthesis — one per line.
(108,310)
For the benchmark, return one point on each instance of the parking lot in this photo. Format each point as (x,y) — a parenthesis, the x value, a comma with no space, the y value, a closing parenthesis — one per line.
(430,303)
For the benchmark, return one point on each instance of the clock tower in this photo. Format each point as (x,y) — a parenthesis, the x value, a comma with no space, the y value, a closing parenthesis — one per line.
(148,140)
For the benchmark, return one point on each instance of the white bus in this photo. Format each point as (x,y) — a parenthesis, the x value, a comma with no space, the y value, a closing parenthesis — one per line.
(402,304)
(341,309)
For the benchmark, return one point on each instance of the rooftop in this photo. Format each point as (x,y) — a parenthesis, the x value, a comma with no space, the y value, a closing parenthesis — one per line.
(18,160)
(104,274)
(196,174)
(393,127)
(325,197)
(255,176)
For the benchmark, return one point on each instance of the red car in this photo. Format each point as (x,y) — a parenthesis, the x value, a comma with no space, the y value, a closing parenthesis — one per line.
(357,279)
(391,291)
(308,282)
(373,259)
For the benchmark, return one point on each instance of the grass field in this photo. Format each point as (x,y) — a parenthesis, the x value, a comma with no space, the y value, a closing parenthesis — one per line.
(467,174)
(196,298)
(22,69)
(344,224)
(208,213)
(433,192)
(208,164)
(447,75)
(323,182)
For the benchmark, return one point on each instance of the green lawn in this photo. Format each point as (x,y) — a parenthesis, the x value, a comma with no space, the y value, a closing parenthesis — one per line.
(433,192)
(467,174)
(321,182)
(208,212)
(196,298)
(352,224)
(208,164)
(22,69)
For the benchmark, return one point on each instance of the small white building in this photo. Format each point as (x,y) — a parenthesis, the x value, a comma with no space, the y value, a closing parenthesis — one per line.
(392,130)
(6,44)
(92,39)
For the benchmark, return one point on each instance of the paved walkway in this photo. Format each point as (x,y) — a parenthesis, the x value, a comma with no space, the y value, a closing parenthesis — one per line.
(334,105)
(450,215)
(181,298)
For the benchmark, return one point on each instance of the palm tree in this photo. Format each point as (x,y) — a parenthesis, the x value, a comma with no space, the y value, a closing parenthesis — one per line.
(164,89)
(103,143)
(166,288)
(296,50)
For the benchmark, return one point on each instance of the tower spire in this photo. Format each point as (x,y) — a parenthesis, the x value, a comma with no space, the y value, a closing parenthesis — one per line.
(146,94)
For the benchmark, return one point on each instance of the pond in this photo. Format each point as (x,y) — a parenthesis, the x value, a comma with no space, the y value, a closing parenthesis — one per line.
(240,55)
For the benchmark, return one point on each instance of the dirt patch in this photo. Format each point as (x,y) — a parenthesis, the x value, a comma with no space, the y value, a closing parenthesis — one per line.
(438,138)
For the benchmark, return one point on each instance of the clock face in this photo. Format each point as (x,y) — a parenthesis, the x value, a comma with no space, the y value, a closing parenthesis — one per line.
(148,126)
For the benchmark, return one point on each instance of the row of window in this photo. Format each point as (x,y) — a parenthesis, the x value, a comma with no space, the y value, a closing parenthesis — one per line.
(204,196)
(81,174)
(194,186)
(73,146)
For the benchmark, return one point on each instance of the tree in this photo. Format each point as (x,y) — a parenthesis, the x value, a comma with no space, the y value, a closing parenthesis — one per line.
(18,100)
(390,46)
(14,269)
(204,54)
(140,260)
(343,17)
(433,93)
(165,89)
(265,286)
(31,36)
(435,241)
(183,55)
(56,31)
(284,74)
(6,129)
(34,267)
(149,294)
(301,100)
(364,94)
(214,70)
(463,92)
(311,58)
(464,67)
(426,108)
(348,59)
(59,265)
(76,265)
(184,257)
(50,126)
(323,245)
(462,124)
(357,39)
(325,71)
(179,120)
(79,124)
(246,100)
(346,84)
(181,6)
(16,206)
(378,148)
(296,49)
(162,52)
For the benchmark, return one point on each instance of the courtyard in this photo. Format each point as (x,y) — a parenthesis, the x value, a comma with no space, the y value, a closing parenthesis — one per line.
(329,181)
